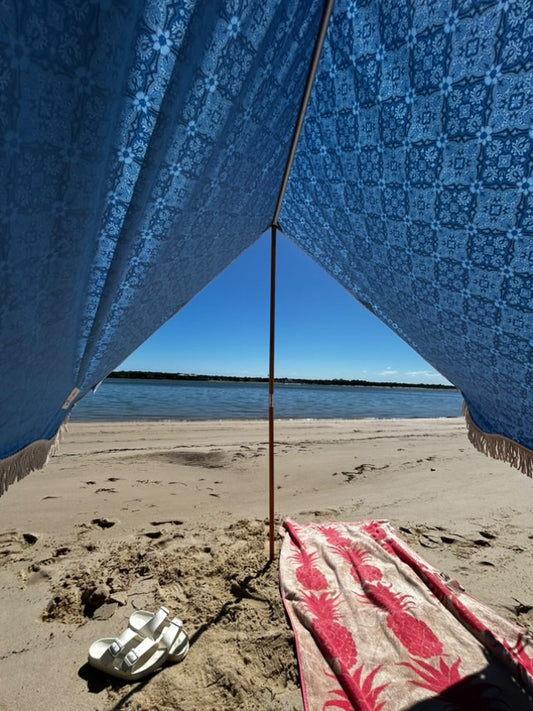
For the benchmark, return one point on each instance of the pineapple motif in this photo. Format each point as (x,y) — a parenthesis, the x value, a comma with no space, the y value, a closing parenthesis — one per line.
(335,538)
(412,633)
(360,570)
(307,574)
(358,692)
(333,639)
(375,531)
(339,648)
(438,678)
(354,555)
(457,692)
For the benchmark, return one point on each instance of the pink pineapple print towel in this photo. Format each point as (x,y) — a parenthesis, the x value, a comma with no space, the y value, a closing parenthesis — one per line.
(379,629)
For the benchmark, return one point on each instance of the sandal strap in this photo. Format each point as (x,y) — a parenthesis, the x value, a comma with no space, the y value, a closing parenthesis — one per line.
(152,627)
(171,634)
(146,648)
(115,648)
(123,642)
(148,645)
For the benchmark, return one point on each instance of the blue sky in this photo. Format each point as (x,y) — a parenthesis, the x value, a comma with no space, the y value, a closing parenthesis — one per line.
(321,330)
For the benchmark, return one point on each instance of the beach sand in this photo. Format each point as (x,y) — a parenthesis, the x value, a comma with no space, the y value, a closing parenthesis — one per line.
(135,515)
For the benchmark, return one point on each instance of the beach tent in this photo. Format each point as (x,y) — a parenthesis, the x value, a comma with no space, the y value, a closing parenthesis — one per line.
(144,144)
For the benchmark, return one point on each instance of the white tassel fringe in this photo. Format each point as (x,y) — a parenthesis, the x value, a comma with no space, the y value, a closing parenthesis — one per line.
(34,456)
(499,447)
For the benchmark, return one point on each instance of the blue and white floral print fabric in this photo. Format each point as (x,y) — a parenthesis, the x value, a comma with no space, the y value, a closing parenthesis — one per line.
(412,185)
(142,147)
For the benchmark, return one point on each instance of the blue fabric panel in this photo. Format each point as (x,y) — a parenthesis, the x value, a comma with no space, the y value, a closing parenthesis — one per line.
(412,185)
(142,146)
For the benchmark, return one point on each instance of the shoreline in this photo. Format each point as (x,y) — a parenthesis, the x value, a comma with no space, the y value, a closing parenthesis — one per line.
(170,420)
(174,513)
(191,377)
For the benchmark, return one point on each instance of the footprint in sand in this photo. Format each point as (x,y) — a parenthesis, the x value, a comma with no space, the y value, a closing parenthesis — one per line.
(103,522)
(316,512)
(488,534)
(61,551)
(359,470)
(481,542)
(10,544)
(213,459)
(38,576)
(435,536)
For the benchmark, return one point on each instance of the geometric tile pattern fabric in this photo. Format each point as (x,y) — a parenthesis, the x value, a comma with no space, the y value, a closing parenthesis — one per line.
(143,145)
(412,185)
(142,148)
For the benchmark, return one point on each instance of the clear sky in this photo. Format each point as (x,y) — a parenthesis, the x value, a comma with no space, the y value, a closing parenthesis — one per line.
(321,330)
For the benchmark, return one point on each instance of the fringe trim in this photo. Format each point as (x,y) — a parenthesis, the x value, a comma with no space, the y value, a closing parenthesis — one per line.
(34,456)
(499,447)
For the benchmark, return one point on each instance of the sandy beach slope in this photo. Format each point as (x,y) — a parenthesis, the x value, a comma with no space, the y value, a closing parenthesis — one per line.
(135,515)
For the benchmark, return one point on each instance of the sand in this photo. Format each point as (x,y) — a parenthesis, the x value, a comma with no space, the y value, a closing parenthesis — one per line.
(134,515)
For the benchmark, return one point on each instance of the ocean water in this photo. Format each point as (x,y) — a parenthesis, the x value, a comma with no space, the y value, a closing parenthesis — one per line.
(191,400)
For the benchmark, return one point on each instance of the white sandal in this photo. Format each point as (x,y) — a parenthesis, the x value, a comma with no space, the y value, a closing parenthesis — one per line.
(152,625)
(134,654)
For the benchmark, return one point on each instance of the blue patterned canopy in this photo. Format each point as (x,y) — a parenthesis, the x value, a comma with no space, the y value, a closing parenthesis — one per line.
(143,145)
(413,187)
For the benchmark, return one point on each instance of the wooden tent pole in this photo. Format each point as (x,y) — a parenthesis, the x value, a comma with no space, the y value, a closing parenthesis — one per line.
(328,6)
(273,230)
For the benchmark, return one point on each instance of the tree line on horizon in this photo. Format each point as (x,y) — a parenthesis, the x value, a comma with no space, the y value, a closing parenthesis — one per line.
(153,375)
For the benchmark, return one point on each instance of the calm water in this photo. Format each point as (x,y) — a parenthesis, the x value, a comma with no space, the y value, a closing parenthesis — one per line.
(188,400)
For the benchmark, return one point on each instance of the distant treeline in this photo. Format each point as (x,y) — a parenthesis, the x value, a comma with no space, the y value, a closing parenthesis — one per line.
(149,375)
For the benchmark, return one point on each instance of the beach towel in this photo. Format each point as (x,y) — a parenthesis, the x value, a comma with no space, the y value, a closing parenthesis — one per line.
(377,627)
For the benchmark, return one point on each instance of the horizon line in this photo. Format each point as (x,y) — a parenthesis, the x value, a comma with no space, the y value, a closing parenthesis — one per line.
(162,375)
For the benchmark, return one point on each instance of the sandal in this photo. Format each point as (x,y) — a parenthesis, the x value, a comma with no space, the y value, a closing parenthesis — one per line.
(133,656)
(149,624)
